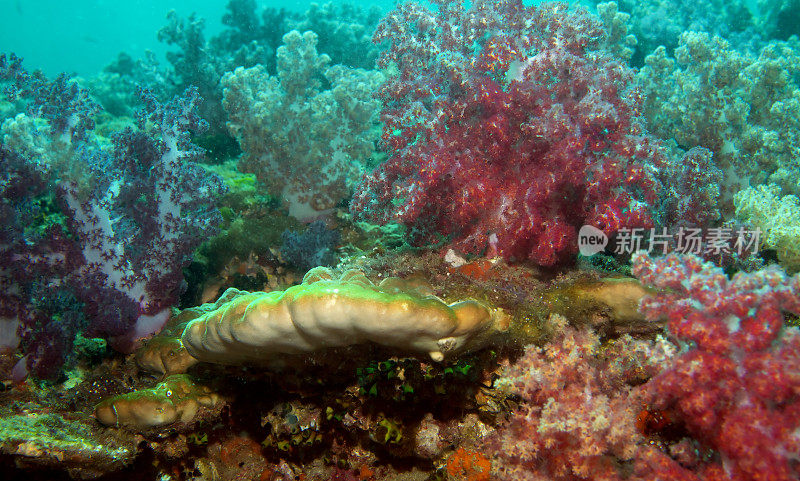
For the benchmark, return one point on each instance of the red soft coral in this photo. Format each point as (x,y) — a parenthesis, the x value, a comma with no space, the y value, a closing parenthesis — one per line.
(736,387)
(508,127)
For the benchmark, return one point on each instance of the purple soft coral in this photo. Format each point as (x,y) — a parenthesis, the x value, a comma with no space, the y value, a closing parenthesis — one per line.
(149,210)
(67,107)
(112,265)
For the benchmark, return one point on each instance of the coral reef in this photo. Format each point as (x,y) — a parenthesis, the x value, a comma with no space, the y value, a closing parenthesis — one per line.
(153,320)
(744,108)
(468,466)
(344,32)
(778,18)
(238,458)
(620,41)
(347,412)
(578,409)
(314,247)
(305,143)
(251,38)
(695,186)
(246,253)
(162,206)
(507,128)
(115,87)
(657,23)
(67,108)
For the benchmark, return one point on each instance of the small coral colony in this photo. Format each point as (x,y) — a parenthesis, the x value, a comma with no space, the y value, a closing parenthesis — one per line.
(446,241)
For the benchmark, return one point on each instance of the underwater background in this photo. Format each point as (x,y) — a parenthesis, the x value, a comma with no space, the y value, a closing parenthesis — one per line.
(81,36)
(489,240)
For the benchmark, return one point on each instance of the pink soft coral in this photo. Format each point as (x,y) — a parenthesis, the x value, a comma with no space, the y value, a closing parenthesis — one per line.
(578,408)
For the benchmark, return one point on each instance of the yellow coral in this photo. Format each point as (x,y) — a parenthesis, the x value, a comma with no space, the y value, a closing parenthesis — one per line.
(777,217)
(164,355)
(323,312)
(177,399)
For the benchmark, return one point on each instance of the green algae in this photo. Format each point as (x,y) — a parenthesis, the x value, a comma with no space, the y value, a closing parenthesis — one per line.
(49,440)
(51,431)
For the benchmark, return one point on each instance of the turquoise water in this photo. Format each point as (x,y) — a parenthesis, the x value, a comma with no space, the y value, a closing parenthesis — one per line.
(82,36)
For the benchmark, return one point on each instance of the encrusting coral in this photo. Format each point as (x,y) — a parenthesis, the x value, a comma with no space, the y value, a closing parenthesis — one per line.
(71,442)
(164,353)
(177,399)
(323,312)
